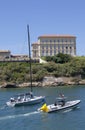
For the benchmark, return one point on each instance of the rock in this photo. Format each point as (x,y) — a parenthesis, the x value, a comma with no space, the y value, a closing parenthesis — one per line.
(46,82)
(8,85)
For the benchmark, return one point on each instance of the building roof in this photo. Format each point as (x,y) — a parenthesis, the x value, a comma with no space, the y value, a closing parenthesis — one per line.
(57,36)
(35,43)
(4,51)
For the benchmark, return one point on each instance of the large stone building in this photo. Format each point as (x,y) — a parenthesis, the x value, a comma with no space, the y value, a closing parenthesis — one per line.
(5,54)
(50,45)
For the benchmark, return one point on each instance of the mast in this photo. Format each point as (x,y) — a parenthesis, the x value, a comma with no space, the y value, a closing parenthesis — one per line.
(29,57)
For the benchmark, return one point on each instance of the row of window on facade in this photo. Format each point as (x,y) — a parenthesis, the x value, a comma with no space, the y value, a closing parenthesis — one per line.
(57,51)
(57,47)
(61,40)
(52,53)
(54,46)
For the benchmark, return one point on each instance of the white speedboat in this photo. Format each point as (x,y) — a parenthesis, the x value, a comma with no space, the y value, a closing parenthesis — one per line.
(27,98)
(59,105)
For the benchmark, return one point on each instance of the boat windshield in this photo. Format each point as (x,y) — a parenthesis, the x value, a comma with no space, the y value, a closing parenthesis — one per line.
(60,98)
(61,101)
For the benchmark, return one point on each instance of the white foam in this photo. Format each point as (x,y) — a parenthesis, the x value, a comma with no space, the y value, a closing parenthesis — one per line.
(68,110)
(20,115)
(3,107)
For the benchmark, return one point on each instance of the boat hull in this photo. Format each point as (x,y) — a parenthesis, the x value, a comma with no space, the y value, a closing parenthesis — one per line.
(56,108)
(31,101)
(69,105)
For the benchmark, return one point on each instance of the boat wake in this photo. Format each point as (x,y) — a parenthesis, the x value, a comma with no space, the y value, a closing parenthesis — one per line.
(71,109)
(3,107)
(67,110)
(20,115)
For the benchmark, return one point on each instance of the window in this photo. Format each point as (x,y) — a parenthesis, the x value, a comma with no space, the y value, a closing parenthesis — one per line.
(58,51)
(62,47)
(50,46)
(70,50)
(54,52)
(74,40)
(46,46)
(46,52)
(54,46)
(42,47)
(42,41)
(58,41)
(42,51)
(58,46)
(51,52)
(75,47)
(63,51)
(66,50)
(66,47)
(46,41)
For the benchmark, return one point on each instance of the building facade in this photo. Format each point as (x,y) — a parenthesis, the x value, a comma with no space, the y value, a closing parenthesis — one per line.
(5,54)
(50,45)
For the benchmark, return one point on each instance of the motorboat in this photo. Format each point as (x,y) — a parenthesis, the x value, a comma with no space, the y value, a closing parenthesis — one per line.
(27,98)
(60,104)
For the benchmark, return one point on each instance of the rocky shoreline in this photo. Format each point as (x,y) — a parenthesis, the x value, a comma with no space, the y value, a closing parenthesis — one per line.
(47,82)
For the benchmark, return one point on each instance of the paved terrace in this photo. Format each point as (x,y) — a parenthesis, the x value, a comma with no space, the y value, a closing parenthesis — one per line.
(18,60)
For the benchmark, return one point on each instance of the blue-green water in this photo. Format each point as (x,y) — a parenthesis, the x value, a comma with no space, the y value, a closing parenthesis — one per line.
(28,118)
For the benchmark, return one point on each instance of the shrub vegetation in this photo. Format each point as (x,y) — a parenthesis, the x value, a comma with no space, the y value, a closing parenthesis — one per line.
(59,65)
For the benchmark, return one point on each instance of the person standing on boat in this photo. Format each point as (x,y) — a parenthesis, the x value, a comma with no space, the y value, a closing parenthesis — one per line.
(62,99)
(61,95)
(24,98)
(19,98)
(12,99)
(31,94)
(55,104)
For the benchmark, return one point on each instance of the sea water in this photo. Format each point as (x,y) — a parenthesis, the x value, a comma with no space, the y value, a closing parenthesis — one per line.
(28,118)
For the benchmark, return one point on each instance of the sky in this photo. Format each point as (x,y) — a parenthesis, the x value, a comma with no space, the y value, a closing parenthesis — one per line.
(44,17)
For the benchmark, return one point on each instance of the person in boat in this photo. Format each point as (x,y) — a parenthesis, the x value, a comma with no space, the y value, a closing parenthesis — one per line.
(61,95)
(24,98)
(31,94)
(62,101)
(55,104)
(12,99)
(19,98)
